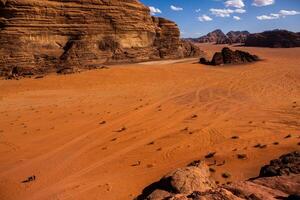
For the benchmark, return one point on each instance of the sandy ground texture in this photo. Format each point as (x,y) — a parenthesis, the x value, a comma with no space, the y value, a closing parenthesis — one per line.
(106,134)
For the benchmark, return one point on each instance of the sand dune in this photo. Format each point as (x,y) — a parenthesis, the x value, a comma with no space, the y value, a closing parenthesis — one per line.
(106,134)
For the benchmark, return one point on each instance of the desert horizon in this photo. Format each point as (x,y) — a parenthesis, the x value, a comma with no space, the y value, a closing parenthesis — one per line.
(116,106)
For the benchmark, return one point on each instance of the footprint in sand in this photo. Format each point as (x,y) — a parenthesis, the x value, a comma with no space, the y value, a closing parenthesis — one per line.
(151,143)
(102,122)
(212,170)
(221,164)
(288,136)
(138,163)
(260,146)
(242,156)
(226,175)
(210,155)
(121,129)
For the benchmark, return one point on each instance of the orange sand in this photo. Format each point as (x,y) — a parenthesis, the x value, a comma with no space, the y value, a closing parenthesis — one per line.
(51,127)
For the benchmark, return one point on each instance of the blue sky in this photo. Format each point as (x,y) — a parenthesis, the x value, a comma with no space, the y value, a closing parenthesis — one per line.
(198,17)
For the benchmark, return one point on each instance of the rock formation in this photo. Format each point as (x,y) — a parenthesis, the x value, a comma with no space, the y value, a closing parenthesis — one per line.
(274,39)
(285,165)
(218,37)
(237,36)
(191,183)
(227,56)
(212,37)
(40,36)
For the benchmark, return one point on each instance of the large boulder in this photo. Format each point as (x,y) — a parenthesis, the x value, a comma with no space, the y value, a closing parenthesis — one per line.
(227,56)
(287,164)
(180,181)
(51,35)
(274,39)
(194,183)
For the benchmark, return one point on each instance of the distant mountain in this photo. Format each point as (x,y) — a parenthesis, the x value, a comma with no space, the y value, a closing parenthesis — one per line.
(218,37)
(274,39)
(237,36)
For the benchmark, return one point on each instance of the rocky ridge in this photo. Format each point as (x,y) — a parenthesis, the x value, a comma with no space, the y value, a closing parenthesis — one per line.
(218,37)
(42,36)
(194,183)
(274,39)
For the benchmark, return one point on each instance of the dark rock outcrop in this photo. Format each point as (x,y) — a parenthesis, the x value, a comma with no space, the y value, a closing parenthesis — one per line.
(227,56)
(41,36)
(287,164)
(274,39)
(261,188)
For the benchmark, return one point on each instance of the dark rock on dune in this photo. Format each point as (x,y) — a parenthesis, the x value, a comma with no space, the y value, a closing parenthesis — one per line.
(227,56)
(274,39)
(285,165)
(194,183)
(43,36)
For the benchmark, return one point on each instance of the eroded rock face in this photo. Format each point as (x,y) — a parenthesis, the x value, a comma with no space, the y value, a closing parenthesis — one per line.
(285,165)
(274,39)
(40,36)
(227,56)
(261,188)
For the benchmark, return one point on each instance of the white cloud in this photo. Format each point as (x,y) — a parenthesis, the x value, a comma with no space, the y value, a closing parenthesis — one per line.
(260,3)
(288,12)
(154,10)
(176,8)
(268,17)
(204,18)
(237,18)
(282,13)
(234,3)
(225,12)
(240,11)
(198,10)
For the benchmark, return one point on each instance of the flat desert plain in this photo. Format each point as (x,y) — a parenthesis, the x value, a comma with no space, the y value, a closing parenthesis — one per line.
(106,134)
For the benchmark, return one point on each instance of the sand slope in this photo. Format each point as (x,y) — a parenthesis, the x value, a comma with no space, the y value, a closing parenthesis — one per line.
(158,117)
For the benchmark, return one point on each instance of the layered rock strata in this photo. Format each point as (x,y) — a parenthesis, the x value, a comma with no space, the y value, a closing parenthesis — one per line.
(40,36)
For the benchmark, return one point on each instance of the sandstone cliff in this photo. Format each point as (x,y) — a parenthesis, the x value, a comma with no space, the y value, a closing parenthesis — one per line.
(40,36)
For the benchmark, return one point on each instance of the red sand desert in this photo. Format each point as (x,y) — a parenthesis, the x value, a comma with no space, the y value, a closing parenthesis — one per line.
(106,134)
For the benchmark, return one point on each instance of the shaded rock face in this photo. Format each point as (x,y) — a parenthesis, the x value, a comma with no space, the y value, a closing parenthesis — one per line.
(274,39)
(212,37)
(40,36)
(287,164)
(261,188)
(227,56)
